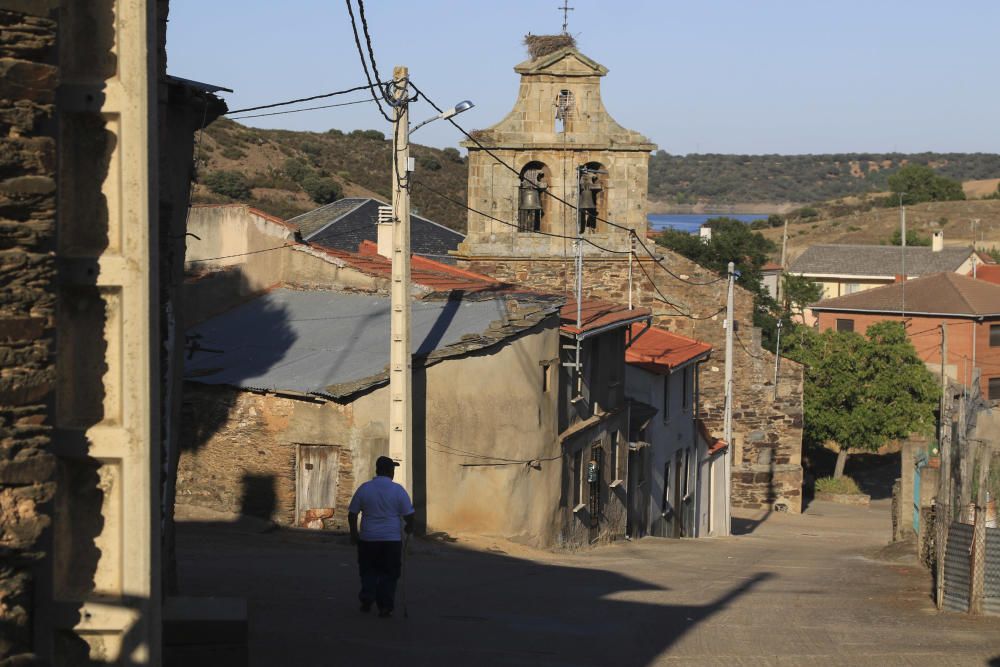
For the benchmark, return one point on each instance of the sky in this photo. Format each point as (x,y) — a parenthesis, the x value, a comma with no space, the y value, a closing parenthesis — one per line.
(705,76)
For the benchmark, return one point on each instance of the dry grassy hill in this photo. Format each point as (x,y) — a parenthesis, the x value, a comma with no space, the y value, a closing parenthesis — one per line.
(876,226)
(273,164)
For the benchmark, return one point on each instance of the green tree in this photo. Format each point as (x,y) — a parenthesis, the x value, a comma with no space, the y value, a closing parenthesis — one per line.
(797,292)
(229,184)
(919,183)
(321,190)
(863,391)
(912,238)
(296,169)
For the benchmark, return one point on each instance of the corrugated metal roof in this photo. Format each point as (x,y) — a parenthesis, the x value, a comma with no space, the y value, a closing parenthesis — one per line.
(876,260)
(331,343)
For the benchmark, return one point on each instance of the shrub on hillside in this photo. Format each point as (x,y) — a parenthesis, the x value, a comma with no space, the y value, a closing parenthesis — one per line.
(833,485)
(452,154)
(296,169)
(321,190)
(231,184)
(429,163)
(369,134)
(311,147)
(233,153)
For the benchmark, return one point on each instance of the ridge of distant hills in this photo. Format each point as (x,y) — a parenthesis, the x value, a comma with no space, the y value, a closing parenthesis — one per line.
(358,162)
(679,181)
(272,161)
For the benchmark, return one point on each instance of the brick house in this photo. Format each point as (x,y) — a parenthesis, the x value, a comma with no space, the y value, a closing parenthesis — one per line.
(969,307)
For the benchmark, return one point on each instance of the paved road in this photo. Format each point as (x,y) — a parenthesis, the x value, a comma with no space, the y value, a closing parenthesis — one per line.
(796,590)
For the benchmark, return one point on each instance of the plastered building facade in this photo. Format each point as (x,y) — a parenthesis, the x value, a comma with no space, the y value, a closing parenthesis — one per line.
(767,447)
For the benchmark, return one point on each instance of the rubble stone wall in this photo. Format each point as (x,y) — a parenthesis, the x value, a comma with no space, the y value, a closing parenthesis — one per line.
(767,453)
(28,80)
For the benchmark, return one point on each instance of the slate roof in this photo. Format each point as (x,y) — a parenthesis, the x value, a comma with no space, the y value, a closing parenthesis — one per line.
(334,344)
(345,223)
(596,314)
(943,293)
(876,260)
(660,351)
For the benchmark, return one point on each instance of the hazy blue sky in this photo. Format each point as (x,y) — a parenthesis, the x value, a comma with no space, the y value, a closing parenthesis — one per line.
(738,76)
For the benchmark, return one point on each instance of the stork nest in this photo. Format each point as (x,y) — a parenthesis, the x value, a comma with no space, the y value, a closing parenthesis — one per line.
(543,45)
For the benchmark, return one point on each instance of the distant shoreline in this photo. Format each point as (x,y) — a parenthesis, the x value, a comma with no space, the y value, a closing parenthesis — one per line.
(701,208)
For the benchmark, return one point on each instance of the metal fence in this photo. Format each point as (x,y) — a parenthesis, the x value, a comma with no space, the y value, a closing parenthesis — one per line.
(958,568)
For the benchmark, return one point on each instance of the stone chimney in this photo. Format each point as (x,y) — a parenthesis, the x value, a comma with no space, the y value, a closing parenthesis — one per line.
(384,226)
(937,241)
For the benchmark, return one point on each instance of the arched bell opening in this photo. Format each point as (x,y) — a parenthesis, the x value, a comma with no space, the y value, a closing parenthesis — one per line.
(532,204)
(593,197)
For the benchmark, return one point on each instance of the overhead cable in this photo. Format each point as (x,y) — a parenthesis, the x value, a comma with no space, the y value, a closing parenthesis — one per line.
(279,113)
(306,99)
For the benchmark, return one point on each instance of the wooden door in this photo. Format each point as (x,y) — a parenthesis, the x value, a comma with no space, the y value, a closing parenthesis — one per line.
(316,484)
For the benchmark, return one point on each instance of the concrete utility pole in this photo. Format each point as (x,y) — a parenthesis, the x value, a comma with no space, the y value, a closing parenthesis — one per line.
(784,258)
(942,511)
(902,225)
(400,371)
(728,419)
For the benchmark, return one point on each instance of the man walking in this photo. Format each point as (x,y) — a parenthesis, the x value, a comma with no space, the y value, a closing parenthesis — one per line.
(382,503)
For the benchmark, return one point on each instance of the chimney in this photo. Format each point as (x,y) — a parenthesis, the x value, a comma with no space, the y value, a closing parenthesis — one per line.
(937,241)
(384,226)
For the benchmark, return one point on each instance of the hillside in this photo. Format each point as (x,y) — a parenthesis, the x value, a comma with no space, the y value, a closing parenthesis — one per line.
(876,225)
(677,183)
(274,163)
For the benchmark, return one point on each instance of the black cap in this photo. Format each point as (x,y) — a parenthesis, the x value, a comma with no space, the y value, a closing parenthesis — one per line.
(384,464)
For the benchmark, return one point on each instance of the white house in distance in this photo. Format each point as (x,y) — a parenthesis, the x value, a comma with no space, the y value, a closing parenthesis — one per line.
(686,490)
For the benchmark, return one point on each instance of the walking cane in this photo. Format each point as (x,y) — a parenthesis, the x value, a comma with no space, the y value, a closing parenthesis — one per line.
(406,546)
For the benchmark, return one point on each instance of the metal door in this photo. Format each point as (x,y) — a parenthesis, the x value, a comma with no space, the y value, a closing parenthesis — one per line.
(316,484)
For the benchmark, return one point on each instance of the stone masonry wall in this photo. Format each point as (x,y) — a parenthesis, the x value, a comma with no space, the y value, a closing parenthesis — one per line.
(28,79)
(767,463)
(238,453)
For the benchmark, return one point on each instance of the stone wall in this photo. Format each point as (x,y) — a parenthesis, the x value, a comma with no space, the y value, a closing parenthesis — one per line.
(767,463)
(28,79)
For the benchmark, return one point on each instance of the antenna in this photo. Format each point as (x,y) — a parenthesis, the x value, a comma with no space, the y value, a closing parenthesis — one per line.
(566,9)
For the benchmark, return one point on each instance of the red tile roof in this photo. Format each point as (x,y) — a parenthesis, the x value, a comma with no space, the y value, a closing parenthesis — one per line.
(988,272)
(714,444)
(596,314)
(659,351)
(937,294)
(771,266)
(437,276)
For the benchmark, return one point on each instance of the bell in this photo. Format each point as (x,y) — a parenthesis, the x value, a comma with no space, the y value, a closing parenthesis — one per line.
(529,199)
(587,199)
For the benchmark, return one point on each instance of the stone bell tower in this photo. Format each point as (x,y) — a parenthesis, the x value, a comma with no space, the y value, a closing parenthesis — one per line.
(557,127)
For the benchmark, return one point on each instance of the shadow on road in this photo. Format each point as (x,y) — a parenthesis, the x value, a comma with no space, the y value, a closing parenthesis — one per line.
(464,605)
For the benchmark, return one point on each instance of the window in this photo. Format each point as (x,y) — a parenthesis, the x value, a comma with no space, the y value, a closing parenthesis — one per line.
(851,288)
(614,456)
(666,398)
(995,335)
(686,391)
(993,393)
(577,477)
(845,325)
(546,376)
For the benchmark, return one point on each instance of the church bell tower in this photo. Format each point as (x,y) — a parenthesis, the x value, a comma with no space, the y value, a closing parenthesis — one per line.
(563,146)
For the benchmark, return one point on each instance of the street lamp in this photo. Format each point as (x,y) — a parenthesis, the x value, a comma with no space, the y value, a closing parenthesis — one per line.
(400,371)
(464,105)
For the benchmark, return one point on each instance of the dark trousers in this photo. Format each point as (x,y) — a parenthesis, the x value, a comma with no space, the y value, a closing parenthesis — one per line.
(380,564)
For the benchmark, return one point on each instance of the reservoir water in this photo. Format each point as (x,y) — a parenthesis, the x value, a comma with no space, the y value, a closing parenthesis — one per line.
(690,222)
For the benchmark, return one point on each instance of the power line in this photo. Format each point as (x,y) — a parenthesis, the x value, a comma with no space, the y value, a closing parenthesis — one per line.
(278,113)
(511,224)
(241,254)
(364,64)
(670,303)
(306,99)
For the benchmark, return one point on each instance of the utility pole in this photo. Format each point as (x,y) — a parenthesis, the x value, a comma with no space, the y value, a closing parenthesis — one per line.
(400,371)
(784,257)
(777,360)
(942,510)
(728,419)
(902,224)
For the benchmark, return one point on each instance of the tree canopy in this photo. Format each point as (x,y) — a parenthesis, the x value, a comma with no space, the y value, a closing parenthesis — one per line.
(919,183)
(863,391)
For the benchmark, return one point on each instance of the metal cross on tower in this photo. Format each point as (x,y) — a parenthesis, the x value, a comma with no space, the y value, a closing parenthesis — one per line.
(566,9)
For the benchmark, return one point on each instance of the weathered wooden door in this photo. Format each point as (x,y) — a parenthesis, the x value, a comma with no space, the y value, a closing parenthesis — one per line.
(316,484)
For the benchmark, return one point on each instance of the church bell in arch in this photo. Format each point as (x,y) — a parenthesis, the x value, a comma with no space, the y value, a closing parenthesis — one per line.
(529,200)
